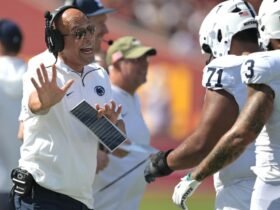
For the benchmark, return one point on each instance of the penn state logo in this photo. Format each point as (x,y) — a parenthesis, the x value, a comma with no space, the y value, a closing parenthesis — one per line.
(99,90)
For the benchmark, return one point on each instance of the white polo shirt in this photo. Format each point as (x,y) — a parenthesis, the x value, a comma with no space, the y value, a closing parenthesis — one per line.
(126,193)
(136,128)
(58,150)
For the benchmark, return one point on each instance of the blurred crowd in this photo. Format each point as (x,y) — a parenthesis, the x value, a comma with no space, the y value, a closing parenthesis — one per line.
(178,20)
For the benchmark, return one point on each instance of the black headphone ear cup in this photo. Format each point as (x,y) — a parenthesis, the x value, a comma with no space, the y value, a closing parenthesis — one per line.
(53,38)
(49,39)
(58,41)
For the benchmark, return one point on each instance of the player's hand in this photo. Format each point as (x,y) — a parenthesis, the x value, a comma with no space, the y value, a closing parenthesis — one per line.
(183,190)
(157,166)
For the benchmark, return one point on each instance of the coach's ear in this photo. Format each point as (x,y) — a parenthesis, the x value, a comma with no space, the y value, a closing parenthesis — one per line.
(117,65)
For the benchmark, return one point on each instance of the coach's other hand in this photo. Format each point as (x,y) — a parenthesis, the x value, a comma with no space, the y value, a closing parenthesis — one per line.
(157,166)
(183,190)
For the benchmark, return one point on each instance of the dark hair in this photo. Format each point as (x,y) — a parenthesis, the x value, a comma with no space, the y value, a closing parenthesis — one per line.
(247,35)
(11,47)
(10,36)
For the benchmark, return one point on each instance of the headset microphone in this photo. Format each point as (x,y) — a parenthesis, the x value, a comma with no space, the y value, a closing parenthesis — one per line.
(109,42)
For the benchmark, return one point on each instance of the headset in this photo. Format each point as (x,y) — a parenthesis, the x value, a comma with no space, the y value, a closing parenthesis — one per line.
(53,37)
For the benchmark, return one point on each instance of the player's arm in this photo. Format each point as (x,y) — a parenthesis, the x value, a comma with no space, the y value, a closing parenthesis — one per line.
(249,124)
(247,127)
(219,112)
(212,126)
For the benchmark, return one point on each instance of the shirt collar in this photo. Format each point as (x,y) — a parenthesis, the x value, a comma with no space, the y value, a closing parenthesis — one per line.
(64,67)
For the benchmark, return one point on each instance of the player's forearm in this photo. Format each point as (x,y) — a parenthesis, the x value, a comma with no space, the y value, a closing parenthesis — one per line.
(212,126)
(197,146)
(247,127)
(226,151)
(190,153)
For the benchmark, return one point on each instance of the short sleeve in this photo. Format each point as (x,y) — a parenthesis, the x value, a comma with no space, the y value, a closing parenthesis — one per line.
(28,87)
(257,69)
(222,73)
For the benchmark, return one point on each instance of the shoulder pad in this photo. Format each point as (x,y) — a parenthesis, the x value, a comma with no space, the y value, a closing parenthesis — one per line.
(261,67)
(223,72)
(227,61)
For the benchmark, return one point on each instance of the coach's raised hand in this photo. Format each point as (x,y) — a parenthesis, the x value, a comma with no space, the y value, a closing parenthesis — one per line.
(157,166)
(47,92)
(183,190)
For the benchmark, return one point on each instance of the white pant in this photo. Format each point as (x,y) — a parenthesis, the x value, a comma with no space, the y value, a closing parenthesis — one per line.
(266,195)
(236,196)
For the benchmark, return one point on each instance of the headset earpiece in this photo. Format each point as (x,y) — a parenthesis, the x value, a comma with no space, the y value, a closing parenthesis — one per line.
(53,38)
(48,32)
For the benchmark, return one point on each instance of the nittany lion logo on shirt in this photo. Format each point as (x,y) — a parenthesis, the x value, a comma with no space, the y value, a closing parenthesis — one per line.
(99,90)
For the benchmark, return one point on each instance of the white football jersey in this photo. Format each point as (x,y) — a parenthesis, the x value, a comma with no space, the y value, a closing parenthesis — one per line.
(224,73)
(263,68)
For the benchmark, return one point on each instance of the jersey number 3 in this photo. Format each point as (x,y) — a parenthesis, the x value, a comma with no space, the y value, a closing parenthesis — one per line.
(250,71)
(214,73)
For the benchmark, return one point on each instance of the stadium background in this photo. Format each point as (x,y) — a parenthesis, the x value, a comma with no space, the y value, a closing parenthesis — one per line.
(173,96)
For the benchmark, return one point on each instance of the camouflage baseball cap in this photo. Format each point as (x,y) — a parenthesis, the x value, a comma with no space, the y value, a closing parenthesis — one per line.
(127,47)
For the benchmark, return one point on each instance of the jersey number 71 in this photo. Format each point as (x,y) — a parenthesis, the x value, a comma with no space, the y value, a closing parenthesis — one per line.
(214,72)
